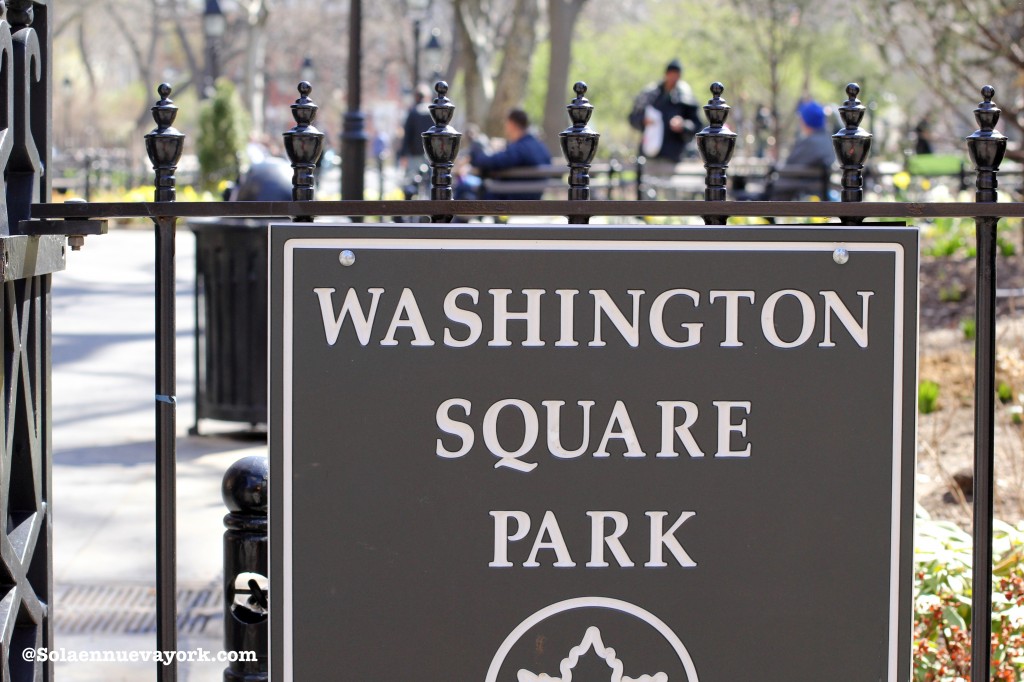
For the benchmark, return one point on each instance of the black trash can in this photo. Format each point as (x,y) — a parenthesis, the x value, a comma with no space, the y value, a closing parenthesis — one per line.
(231,304)
(231,320)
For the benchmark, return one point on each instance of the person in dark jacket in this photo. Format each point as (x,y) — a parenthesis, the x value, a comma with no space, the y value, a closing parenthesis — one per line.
(522,150)
(673,99)
(417,121)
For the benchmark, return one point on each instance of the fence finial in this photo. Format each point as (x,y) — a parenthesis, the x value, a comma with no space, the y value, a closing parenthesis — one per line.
(20,14)
(987,146)
(852,145)
(303,144)
(441,145)
(579,145)
(716,144)
(165,144)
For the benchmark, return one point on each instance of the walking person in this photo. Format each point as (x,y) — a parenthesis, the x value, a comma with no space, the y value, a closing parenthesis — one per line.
(410,154)
(667,114)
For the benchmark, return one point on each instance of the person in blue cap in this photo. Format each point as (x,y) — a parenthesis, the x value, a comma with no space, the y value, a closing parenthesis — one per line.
(813,149)
(669,110)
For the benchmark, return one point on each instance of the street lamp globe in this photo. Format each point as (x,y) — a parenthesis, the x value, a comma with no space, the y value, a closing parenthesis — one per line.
(432,50)
(215,24)
(418,7)
(307,71)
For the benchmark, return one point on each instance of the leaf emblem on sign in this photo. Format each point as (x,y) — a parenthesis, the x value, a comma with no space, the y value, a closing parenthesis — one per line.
(591,639)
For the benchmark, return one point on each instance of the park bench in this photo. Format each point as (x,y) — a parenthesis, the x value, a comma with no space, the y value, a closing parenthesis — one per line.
(936,166)
(750,179)
(795,182)
(605,180)
(954,166)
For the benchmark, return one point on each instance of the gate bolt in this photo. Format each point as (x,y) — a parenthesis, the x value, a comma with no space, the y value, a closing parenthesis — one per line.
(76,241)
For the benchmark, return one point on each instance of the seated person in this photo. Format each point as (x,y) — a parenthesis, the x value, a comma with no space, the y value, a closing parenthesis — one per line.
(523,150)
(812,150)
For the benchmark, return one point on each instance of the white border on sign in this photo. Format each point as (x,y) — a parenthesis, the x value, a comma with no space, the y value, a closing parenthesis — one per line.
(425,245)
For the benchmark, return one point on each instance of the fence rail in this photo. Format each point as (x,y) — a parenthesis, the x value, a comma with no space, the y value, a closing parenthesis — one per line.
(543,207)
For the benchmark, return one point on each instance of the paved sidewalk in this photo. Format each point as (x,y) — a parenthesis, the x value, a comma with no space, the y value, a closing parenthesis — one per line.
(103,474)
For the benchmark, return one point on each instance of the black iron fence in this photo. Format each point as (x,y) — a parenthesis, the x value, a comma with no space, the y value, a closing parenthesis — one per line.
(32,246)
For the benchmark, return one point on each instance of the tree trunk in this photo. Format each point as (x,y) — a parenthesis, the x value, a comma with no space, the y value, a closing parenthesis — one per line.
(477,57)
(562,16)
(254,84)
(510,88)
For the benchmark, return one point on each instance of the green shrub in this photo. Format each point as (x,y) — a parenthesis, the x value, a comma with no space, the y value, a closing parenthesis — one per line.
(223,130)
(970,329)
(1006,247)
(946,247)
(954,293)
(927,396)
(942,602)
(1004,392)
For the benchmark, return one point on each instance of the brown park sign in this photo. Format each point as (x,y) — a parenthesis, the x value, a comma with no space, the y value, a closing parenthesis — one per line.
(629,454)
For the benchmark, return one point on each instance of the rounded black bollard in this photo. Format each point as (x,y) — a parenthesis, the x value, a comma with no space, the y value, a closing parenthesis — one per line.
(716,145)
(245,567)
(165,144)
(441,145)
(852,145)
(304,144)
(986,147)
(579,145)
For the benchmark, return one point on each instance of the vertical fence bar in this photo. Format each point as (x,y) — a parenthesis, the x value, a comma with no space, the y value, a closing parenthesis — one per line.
(579,145)
(441,145)
(164,146)
(716,145)
(986,147)
(304,144)
(852,145)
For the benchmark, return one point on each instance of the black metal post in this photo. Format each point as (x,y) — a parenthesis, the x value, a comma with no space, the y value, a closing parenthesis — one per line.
(986,146)
(417,26)
(716,145)
(579,145)
(304,144)
(640,163)
(441,145)
(353,137)
(214,25)
(244,490)
(852,145)
(212,67)
(164,146)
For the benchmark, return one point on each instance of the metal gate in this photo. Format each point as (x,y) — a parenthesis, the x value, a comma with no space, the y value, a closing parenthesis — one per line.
(35,234)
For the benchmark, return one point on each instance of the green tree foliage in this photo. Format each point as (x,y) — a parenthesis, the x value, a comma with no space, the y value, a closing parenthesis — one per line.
(814,55)
(223,130)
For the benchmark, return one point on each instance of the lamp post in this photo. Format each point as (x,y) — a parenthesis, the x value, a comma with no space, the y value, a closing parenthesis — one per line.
(353,136)
(68,87)
(432,53)
(307,71)
(214,26)
(418,10)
